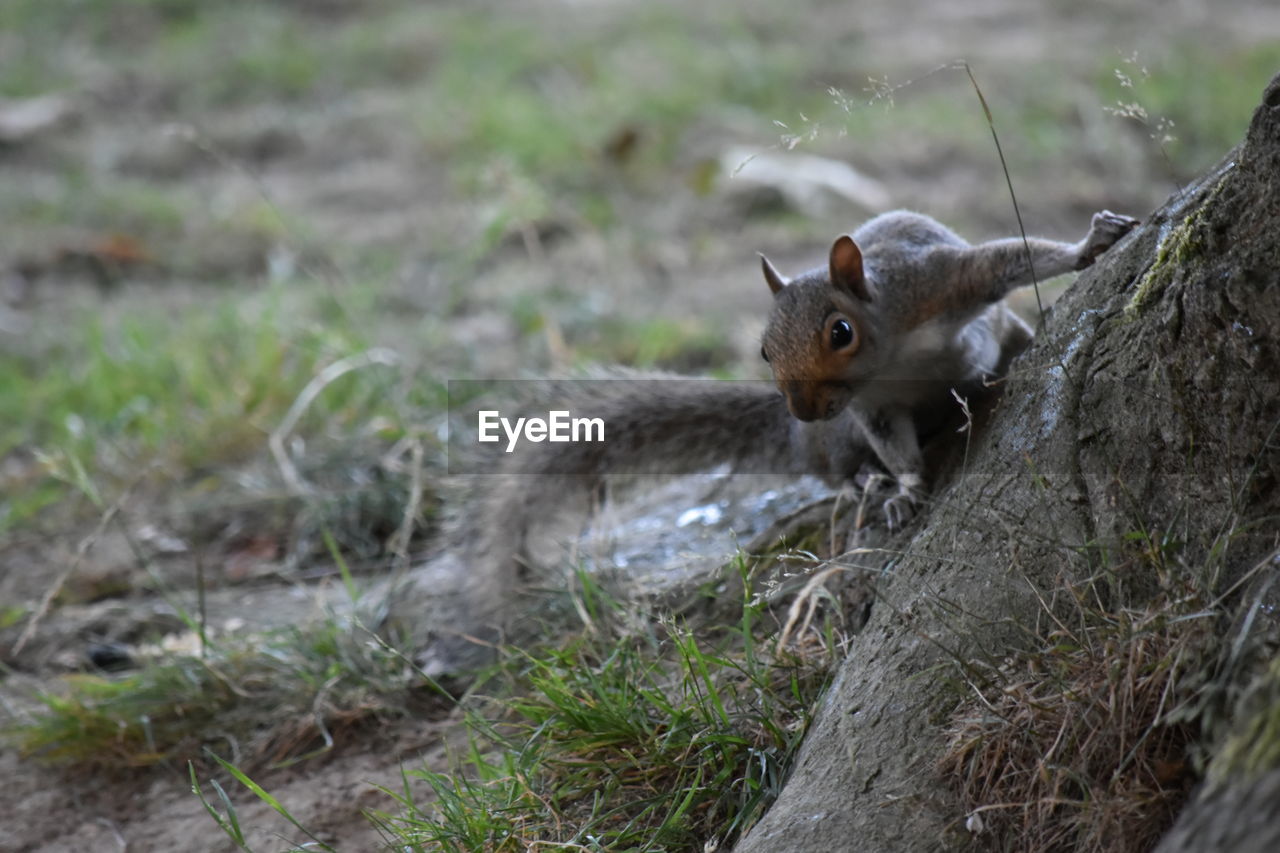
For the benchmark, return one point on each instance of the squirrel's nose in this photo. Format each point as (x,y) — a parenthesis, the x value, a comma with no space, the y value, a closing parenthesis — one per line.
(799,404)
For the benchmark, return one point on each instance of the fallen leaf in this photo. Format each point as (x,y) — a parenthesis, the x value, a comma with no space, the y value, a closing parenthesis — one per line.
(254,557)
(120,249)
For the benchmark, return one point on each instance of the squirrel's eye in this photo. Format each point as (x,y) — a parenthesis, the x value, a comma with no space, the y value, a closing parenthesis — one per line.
(764,355)
(841,334)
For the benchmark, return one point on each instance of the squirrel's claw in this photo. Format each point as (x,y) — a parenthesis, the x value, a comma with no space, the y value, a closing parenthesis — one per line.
(900,509)
(1105,230)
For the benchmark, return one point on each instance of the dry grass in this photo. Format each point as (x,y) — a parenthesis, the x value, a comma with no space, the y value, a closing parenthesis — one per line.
(1070,746)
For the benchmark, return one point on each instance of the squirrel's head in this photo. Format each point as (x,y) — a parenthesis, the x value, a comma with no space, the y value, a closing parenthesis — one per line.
(816,331)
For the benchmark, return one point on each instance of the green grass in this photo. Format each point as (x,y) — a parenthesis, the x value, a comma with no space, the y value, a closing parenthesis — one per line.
(616,739)
(193,388)
(663,740)
(275,698)
(211,55)
(48,55)
(681,345)
(542,108)
(154,214)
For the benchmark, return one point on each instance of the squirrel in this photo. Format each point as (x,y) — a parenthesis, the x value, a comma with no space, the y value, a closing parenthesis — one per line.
(865,352)
(905,311)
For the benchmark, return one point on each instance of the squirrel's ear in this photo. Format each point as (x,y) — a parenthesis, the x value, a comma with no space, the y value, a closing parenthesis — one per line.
(776,280)
(846,268)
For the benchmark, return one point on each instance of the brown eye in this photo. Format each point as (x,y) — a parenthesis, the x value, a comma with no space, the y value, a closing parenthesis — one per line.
(841,334)
(764,355)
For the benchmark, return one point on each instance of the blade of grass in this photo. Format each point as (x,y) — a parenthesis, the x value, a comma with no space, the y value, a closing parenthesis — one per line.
(262,794)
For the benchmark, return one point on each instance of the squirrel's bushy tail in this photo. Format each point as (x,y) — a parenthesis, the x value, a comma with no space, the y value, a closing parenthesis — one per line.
(651,426)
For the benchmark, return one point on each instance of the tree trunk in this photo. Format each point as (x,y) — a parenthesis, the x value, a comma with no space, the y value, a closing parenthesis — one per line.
(1146,410)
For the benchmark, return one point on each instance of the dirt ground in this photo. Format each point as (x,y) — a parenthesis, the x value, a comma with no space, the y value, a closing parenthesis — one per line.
(343,163)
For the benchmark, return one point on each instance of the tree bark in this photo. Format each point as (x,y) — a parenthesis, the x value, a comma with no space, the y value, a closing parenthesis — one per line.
(1149,402)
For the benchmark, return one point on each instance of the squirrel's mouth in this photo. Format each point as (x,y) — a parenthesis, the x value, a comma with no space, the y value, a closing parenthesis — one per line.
(828,410)
(817,401)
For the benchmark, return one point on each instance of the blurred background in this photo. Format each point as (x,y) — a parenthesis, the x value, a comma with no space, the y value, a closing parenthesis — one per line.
(212,210)
(246,245)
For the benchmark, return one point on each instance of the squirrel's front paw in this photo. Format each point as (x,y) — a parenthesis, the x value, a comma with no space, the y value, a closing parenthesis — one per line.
(900,509)
(1105,231)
